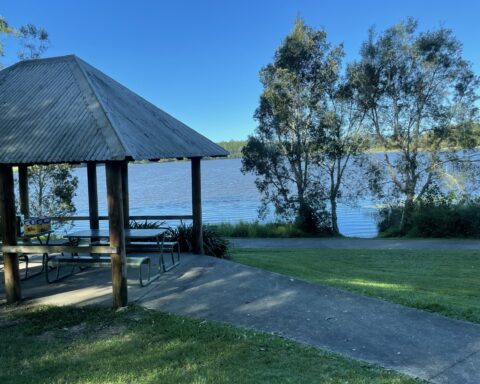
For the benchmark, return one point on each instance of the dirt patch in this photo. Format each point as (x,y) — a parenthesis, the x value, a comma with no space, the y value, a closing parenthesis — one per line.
(79,330)
(109,330)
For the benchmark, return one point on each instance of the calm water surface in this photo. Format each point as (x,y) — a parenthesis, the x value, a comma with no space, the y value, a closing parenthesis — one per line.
(227,195)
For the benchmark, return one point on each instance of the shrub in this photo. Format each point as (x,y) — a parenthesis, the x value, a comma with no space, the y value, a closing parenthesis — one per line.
(213,243)
(256,229)
(440,217)
(448,219)
(388,221)
(146,224)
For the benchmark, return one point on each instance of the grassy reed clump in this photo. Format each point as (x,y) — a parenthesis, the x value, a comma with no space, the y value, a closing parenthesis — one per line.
(256,229)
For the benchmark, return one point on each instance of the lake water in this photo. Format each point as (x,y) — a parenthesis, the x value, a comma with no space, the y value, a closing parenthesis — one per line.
(227,195)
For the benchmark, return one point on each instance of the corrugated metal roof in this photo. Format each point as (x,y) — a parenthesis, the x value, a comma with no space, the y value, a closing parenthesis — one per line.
(62,109)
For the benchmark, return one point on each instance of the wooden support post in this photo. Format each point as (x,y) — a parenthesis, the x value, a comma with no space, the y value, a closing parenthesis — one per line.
(126,198)
(92,195)
(23,190)
(197,206)
(117,232)
(13,290)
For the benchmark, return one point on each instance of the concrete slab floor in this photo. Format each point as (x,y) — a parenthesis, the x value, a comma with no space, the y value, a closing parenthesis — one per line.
(407,340)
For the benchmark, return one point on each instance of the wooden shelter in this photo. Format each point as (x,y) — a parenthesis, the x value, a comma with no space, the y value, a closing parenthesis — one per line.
(63,110)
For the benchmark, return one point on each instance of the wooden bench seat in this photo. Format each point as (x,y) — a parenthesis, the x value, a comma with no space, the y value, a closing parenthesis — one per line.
(98,261)
(152,247)
(27,258)
(165,246)
(57,256)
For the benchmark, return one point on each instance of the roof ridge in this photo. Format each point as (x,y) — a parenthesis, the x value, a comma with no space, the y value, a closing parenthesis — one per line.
(40,59)
(47,59)
(111,125)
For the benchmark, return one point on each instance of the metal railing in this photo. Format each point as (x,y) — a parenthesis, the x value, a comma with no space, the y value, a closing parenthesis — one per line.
(135,217)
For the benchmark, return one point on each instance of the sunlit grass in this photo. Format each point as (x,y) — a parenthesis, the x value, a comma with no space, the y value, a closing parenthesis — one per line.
(91,345)
(447,282)
(371,284)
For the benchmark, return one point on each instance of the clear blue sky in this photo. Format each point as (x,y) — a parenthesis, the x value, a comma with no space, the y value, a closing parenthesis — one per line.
(199,60)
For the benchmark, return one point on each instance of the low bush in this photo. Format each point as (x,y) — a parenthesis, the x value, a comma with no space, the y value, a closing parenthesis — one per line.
(213,243)
(446,219)
(441,217)
(146,224)
(256,229)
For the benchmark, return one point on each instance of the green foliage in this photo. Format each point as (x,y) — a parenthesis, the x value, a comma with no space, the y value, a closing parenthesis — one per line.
(256,229)
(234,147)
(419,96)
(439,281)
(282,149)
(440,216)
(97,346)
(33,41)
(213,243)
(183,234)
(388,221)
(146,224)
(52,189)
(5,30)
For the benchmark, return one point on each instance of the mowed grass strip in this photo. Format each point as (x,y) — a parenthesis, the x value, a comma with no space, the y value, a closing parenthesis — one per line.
(447,282)
(93,345)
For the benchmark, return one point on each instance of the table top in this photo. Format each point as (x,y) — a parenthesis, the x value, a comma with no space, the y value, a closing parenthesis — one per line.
(129,233)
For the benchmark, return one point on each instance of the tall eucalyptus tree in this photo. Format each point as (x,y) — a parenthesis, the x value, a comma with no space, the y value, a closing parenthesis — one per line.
(418,93)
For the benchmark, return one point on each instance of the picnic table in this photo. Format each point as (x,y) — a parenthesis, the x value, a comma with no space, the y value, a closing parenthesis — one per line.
(130,234)
(24,257)
(28,237)
(137,240)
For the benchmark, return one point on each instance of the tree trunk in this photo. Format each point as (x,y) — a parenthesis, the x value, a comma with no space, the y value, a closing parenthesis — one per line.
(333,204)
(306,218)
(407,213)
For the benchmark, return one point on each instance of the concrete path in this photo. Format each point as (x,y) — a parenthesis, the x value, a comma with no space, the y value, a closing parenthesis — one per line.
(414,342)
(354,243)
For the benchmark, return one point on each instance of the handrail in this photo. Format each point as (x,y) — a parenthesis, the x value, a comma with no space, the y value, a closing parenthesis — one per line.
(140,217)
(36,248)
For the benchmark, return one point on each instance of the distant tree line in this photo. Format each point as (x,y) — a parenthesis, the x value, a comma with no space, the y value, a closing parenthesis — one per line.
(234,147)
(411,95)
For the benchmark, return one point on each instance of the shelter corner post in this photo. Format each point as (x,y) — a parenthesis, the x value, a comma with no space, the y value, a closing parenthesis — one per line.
(92,195)
(125,195)
(197,206)
(117,232)
(13,290)
(23,190)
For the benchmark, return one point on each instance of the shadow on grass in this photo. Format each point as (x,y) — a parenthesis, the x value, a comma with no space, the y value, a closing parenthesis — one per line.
(58,345)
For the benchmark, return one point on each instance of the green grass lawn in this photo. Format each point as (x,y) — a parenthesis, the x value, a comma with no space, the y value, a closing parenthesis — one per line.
(447,282)
(93,345)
